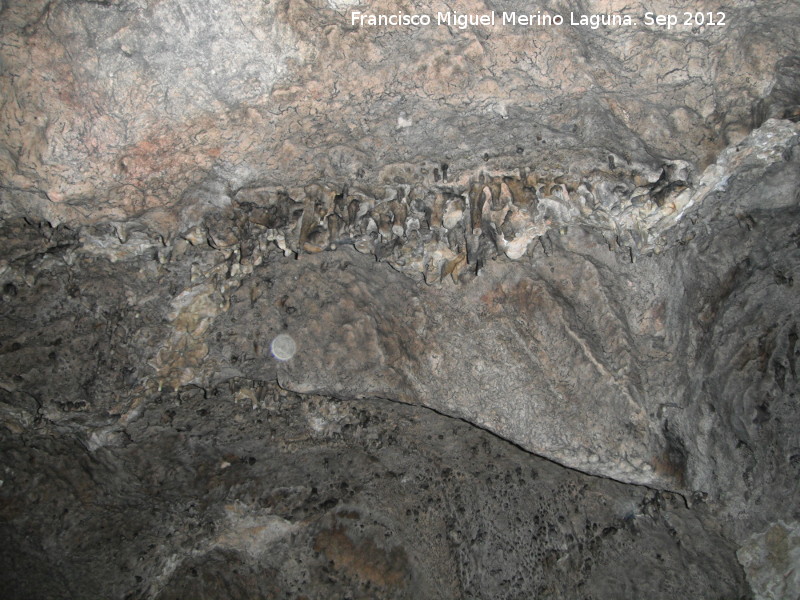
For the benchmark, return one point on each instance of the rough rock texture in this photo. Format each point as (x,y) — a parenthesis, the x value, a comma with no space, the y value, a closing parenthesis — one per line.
(140,102)
(584,241)
(276,495)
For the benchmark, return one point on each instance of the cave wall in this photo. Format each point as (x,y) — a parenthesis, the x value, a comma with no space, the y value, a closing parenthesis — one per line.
(582,241)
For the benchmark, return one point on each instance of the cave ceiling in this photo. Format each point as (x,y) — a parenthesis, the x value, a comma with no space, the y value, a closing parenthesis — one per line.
(581,239)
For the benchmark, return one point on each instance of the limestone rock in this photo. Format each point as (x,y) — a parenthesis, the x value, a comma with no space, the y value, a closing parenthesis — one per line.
(232,231)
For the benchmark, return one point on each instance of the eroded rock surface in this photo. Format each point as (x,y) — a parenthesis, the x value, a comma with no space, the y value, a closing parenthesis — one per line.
(140,102)
(582,240)
(248,489)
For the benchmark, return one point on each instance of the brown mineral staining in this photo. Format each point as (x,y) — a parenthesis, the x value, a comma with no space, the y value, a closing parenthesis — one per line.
(363,560)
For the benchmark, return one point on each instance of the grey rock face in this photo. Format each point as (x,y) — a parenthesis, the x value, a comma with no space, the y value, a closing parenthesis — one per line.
(139,101)
(230,229)
(280,495)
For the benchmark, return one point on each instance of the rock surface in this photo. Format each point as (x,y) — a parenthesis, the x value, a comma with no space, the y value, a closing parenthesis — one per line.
(276,495)
(227,228)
